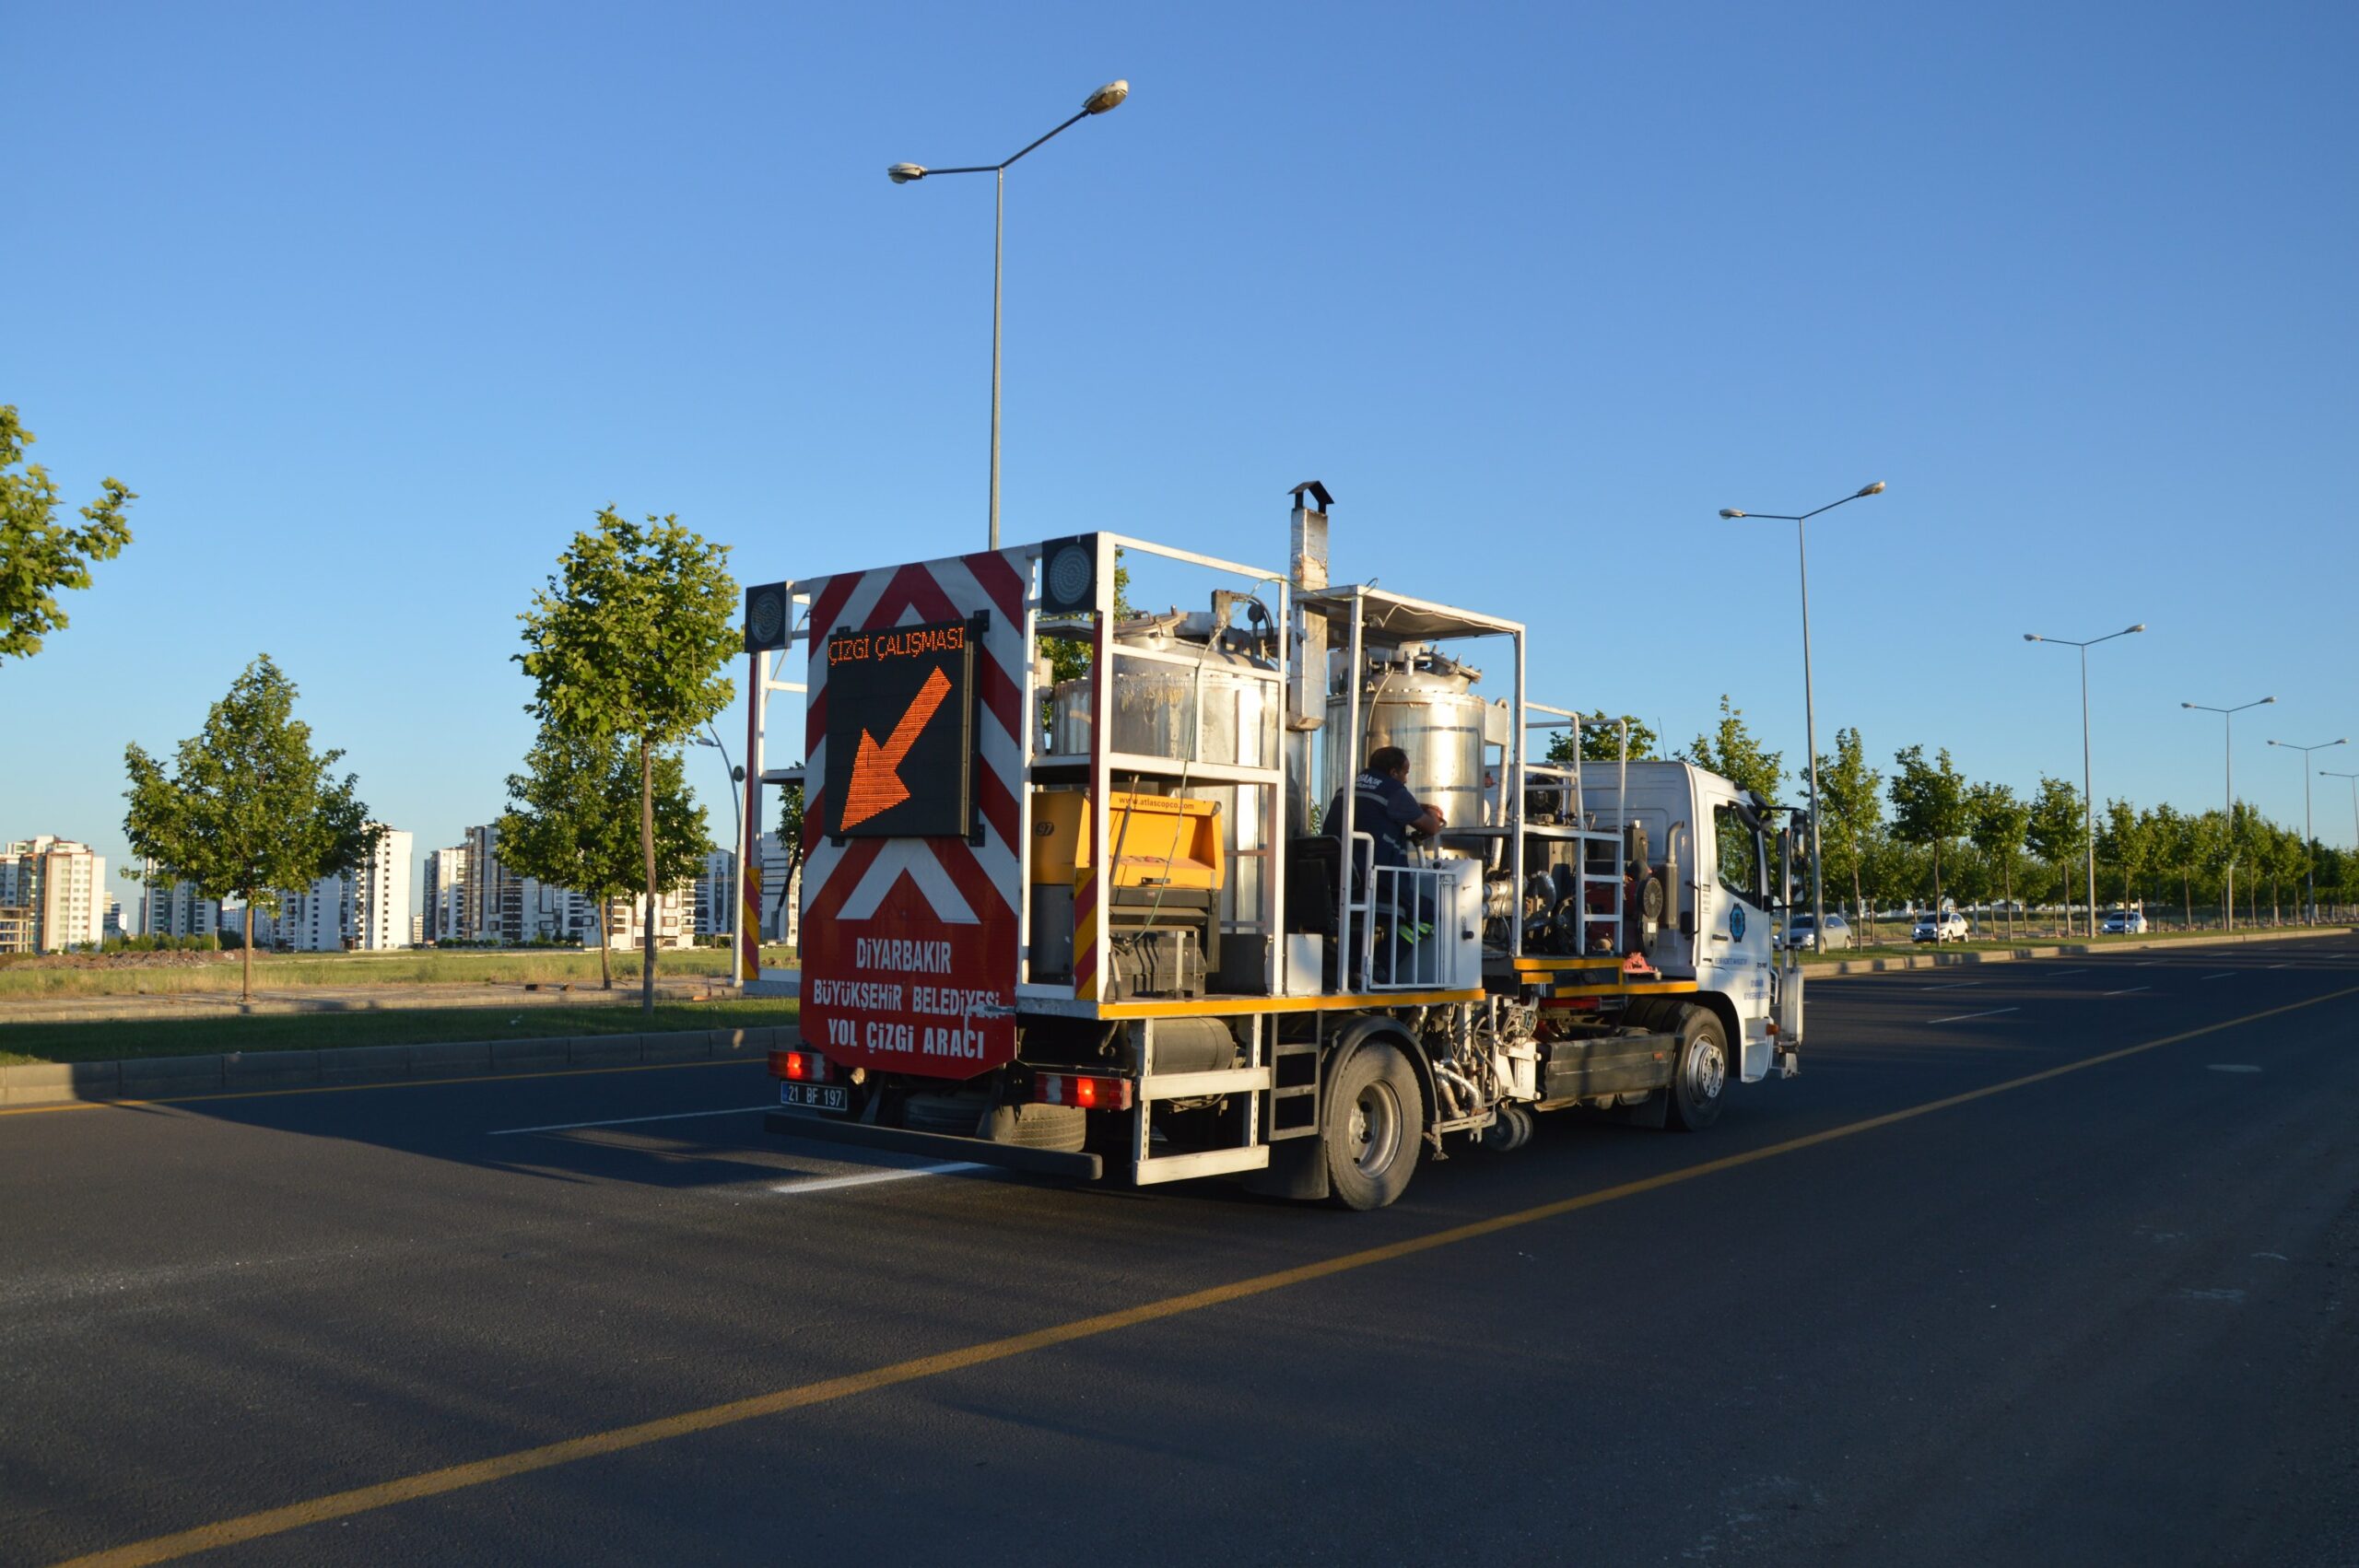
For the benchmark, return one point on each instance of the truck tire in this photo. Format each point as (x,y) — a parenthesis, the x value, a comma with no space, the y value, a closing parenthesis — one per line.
(1061,1127)
(1700,1078)
(1375,1121)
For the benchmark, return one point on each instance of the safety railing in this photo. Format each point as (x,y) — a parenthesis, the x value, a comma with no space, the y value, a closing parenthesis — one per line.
(1395,912)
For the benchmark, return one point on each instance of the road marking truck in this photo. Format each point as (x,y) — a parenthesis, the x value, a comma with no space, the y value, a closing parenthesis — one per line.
(1095,926)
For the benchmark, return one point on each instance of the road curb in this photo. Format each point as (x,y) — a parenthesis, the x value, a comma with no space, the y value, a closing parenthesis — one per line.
(164,1077)
(2060,950)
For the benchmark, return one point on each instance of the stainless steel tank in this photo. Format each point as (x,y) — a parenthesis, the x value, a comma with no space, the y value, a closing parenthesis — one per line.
(1424,702)
(1203,701)
(1212,707)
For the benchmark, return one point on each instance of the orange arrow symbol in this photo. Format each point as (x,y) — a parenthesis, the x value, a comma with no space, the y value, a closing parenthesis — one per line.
(876,770)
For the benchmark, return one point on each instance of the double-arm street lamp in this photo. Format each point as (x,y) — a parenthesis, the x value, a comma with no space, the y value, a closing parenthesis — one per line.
(1810,707)
(2309,858)
(1098,102)
(2228,823)
(2088,790)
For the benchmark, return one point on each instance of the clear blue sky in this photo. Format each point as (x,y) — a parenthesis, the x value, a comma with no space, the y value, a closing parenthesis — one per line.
(375,306)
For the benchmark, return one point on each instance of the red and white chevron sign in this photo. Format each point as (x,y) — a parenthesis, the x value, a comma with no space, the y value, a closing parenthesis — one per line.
(910,943)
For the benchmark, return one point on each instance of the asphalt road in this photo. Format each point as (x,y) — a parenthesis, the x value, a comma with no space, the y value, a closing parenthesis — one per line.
(1877,1315)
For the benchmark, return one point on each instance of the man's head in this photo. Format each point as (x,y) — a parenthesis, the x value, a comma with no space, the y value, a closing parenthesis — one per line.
(1391,761)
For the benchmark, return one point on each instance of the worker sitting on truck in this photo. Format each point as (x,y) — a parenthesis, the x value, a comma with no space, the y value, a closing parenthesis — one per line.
(1383,807)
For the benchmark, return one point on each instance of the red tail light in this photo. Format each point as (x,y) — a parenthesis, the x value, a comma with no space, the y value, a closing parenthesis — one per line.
(1086,1091)
(799,1067)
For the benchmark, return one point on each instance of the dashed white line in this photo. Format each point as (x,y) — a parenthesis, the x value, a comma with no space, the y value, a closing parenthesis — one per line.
(1953,985)
(628,1121)
(2059,974)
(1962,1017)
(2220,975)
(2126,990)
(869,1179)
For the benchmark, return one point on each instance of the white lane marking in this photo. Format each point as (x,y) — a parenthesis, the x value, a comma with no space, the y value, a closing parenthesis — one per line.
(868,1178)
(2285,966)
(628,1121)
(2190,1293)
(2234,1067)
(1962,1017)
(2126,990)
(1953,985)
(2059,974)
(2220,975)
(2145,963)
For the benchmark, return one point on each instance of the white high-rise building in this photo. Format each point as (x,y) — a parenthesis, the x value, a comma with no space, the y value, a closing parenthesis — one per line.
(449,914)
(63,884)
(173,908)
(781,918)
(310,919)
(377,894)
(716,892)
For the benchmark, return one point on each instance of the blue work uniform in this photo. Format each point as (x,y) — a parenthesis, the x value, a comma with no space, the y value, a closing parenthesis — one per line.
(1382,808)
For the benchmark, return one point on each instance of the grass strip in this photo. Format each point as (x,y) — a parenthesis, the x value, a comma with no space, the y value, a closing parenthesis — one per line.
(109,1039)
(411,966)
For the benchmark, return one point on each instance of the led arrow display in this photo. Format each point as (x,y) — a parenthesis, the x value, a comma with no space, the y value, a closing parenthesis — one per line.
(915,686)
(876,770)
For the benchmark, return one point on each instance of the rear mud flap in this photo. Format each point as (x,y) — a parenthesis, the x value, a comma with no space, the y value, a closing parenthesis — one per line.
(1297,1169)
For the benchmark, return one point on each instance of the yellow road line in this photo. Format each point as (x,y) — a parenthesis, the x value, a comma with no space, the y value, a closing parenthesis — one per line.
(349,1088)
(524,1462)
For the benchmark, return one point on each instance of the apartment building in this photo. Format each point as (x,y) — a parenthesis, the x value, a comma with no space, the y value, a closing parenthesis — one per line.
(173,908)
(449,914)
(377,894)
(716,892)
(676,919)
(60,885)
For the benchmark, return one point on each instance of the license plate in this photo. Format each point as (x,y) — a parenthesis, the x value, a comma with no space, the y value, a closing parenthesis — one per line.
(813,1097)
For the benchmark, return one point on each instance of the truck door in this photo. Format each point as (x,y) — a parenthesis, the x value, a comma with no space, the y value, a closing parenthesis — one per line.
(1735,943)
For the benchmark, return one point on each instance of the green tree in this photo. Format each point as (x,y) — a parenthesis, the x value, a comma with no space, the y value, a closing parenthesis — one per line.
(1601,739)
(2125,842)
(629,640)
(2169,831)
(1928,805)
(2056,834)
(251,809)
(1731,752)
(1854,812)
(1999,819)
(572,821)
(39,558)
(790,838)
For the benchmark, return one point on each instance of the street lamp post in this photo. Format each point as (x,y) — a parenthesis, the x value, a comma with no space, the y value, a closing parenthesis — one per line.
(1098,102)
(2088,787)
(2329,773)
(1810,701)
(2309,860)
(2228,824)
(736,880)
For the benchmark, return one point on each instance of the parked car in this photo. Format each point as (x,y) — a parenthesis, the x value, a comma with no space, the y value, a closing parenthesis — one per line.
(1946,926)
(2125,922)
(1839,933)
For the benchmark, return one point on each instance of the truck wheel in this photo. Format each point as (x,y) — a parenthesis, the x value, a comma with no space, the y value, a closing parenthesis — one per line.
(1061,1127)
(1375,1121)
(1699,1079)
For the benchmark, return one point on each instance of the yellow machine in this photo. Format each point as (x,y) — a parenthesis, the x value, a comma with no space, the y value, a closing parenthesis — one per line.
(1156,840)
